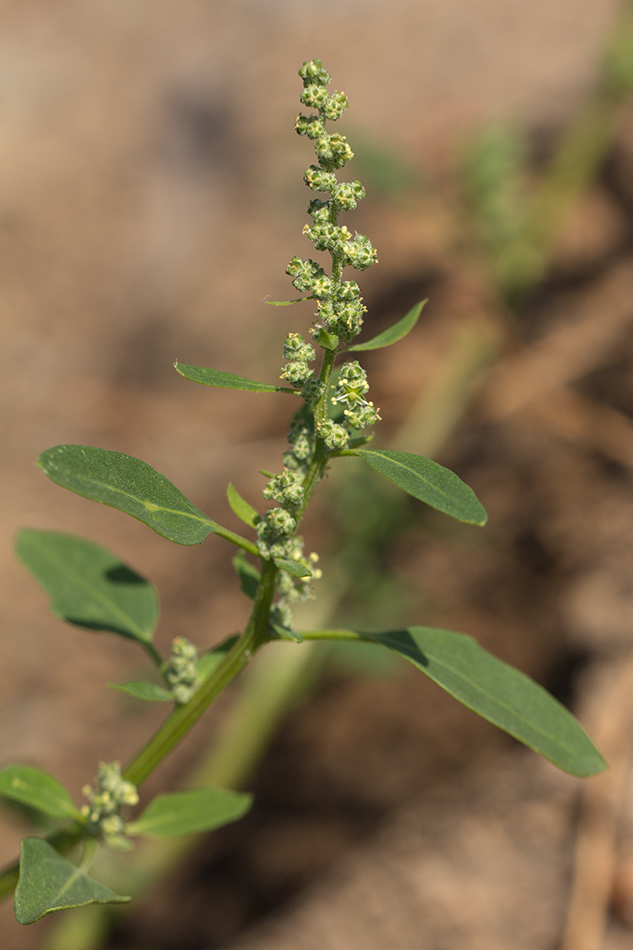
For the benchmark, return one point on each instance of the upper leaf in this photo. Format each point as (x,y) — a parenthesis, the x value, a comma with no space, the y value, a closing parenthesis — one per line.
(144,689)
(293,567)
(49,882)
(286,303)
(187,813)
(130,485)
(394,333)
(215,377)
(428,481)
(499,693)
(88,585)
(37,789)
(241,507)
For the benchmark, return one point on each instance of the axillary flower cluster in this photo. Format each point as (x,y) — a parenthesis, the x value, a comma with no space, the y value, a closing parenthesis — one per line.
(111,793)
(333,414)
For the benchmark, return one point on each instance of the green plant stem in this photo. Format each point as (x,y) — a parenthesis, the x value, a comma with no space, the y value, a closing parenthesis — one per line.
(184,718)
(153,653)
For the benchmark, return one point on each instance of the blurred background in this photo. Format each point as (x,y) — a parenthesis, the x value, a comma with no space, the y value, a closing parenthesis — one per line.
(151,197)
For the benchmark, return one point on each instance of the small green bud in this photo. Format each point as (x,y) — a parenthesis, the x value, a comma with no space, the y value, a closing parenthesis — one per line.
(334,107)
(310,125)
(362,416)
(295,347)
(319,180)
(304,273)
(347,194)
(322,287)
(335,436)
(296,373)
(312,71)
(286,488)
(314,96)
(360,253)
(281,521)
(333,150)
(312,389)
(349,290)
(181,671)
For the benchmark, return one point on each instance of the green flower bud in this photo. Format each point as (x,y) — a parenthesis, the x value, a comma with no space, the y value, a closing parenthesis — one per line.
(349,290)
(322,287)
(333,150)
(362,416)
(320,211)
(360,253)
(334,107)
(295,348)
(319,180)
(310,125)
(281,521)
(347,194)
(335,436)
(314,96)
(286,488)
(312,71)
(296,372)
(304,273)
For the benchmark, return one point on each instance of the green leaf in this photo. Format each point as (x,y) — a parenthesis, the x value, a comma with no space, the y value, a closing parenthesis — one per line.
(88,585)
(499,693)
(248,574)
(214,377)
(188,813)
(130,485)
(286,633)
(327,339)
(240,507)
(394,333)
(293,567)
(49,882)
(427,481)
(286,303)
(143,689)
(37,789)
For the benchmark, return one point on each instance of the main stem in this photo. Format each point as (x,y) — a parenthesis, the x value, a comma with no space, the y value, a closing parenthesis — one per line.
(185,717)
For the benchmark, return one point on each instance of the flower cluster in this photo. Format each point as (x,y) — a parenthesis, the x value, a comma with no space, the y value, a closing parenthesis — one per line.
(105,802)
(340,309)
(350,392)
(339,318)
(181,671)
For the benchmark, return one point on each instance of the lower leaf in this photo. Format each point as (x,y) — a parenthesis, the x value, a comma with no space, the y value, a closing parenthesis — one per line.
(49,882)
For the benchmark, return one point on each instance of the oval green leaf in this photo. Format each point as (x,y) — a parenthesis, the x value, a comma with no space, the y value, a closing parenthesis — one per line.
(130,485)
(49,882)
(498,693)
(394,333)
(427,481)
(38,790)
(293,567)
(188,813)
(214,377)
(143,689)
(88,585)
(240,507)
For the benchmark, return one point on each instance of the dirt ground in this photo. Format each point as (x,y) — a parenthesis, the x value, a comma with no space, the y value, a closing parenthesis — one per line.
(151,198)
